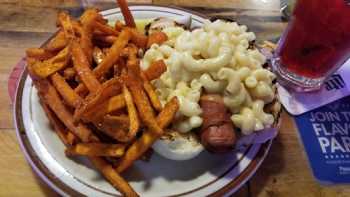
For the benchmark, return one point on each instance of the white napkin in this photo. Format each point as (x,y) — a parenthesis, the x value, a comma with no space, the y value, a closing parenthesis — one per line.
(336,87)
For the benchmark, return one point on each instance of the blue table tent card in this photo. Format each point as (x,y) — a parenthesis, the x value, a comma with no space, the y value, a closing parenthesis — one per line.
(325,133)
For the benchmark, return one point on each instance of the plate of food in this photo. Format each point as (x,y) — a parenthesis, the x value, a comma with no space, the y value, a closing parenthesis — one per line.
(146,100)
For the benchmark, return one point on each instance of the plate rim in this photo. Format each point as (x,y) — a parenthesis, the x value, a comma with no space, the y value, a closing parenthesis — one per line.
(57,185)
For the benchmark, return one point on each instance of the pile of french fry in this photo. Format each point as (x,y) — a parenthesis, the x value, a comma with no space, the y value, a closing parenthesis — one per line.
(98,100)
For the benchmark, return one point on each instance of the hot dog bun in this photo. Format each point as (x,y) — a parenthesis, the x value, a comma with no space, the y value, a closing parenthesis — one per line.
(178,146)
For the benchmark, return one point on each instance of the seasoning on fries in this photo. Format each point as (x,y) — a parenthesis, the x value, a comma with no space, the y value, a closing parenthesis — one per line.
(95,95)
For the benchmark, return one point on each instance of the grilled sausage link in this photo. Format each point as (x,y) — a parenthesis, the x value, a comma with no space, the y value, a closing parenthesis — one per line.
(217,133)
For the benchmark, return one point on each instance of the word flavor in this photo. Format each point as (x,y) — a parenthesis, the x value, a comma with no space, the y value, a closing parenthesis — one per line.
(325,133)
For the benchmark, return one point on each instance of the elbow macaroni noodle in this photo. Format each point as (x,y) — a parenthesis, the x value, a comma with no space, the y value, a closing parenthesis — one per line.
(216,59)
(210,85)
(252,119)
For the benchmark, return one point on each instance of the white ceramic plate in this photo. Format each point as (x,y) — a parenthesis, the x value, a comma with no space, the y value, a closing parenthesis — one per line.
(205,175)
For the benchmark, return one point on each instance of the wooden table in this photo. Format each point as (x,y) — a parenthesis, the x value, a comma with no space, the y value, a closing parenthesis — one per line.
(27,23)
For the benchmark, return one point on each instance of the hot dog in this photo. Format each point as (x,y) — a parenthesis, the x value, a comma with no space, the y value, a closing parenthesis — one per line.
(217,133)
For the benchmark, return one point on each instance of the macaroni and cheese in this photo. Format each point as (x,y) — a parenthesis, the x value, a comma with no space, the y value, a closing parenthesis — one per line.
(214,59)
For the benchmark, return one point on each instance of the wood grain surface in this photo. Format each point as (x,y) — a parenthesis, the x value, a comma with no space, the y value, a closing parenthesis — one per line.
(27,23)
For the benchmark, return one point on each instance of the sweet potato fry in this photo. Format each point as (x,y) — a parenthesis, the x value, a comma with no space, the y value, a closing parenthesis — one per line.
(134,124)
(133,63)
(94,114)
(45,68)
(105,39)
(71,139)
(156,38)
(81,90)
(114,123)
(86,43)
(69,73)
(119,25)
(31,61)
(78,28)
(108,89)
(113,54)
(116,103)
(111,58)
(120,112)
(114,131)
(128,18)
(138,38)
(39,54)
(118,67)
(97,32)
(155,70)
(105,29)
(82,67)
(87,46)
(57,43)
(90,15)
(87,19)
(142,103)
(113,104)
(167,115)
(66,138)
(50,96)
(69,96)
(122,120)
(136,150)
(152,95)
(64,20)
(96,149)
(147,116)
(148,137)
(113,177)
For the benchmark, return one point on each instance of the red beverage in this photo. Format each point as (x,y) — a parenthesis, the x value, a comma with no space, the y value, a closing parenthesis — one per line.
(316,41)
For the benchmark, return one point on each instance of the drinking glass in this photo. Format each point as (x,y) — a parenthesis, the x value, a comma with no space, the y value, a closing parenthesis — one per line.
(314,45)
